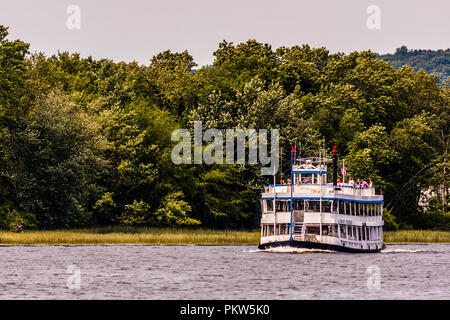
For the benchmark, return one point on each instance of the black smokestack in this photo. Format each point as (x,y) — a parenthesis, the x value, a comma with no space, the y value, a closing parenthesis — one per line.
(334,166)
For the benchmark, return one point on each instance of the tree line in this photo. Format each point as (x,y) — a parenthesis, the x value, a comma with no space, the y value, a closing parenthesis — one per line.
(87,142)
(436,62)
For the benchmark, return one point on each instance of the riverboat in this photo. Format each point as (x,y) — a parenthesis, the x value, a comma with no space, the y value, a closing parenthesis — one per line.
(310,213)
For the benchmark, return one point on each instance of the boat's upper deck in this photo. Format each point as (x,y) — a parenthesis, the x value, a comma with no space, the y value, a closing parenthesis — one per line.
(310,181)
(310,188)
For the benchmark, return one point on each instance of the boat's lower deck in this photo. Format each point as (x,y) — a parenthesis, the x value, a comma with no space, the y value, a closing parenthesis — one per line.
(319,245)
(329,241)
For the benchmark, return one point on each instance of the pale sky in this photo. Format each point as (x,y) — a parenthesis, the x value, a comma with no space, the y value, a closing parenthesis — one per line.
(137,29)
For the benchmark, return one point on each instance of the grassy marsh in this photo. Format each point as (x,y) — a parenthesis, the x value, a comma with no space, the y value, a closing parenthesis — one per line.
(416,236)
(118,235)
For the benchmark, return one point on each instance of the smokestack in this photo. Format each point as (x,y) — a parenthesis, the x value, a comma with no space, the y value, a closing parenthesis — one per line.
(334,166)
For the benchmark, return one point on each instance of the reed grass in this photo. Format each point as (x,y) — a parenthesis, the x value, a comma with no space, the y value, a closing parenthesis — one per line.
(117,235)
(416,236)
(177,236)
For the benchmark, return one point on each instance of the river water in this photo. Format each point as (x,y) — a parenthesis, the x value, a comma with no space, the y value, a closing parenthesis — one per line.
(221,272)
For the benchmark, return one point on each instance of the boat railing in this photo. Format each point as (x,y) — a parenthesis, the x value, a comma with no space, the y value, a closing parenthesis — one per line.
(310,237)
(352,241)
(320,188)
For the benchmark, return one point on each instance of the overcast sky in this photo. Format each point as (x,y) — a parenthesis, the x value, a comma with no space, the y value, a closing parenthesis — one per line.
(138,29)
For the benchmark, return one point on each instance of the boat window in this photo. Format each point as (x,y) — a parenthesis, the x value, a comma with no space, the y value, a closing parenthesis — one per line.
(333,230)
(312,205)
(341,207)
(343,231)
(283,229)
(283,206)
(306,178)
(347,207)
(326,206)
(299,205)
(330,230)
(312,230)
(269,205)
(335,206)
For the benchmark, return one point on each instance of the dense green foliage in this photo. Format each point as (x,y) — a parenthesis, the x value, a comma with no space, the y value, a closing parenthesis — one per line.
(87,143)
(436,62)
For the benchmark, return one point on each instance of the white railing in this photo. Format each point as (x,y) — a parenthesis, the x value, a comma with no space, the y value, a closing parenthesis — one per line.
(317,188)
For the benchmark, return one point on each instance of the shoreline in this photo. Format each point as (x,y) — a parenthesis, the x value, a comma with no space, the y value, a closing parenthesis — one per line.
(174,236)
(179,244)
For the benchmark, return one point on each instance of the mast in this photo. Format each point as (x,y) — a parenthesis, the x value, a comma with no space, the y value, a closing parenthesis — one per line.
(334,167)
(335,185)
(281,169)
(274,203)
(320,201)
(292,167)
(343,176)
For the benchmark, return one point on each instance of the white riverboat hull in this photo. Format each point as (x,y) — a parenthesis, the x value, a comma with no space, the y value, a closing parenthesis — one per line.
(321,246)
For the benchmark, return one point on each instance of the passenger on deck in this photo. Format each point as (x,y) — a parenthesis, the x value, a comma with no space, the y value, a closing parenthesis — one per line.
(370,183)
(351,183)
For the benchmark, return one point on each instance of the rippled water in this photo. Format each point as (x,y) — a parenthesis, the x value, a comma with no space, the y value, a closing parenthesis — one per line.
(222,272)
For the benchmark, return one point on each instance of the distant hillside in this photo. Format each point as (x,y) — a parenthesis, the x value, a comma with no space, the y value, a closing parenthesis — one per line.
(435,62)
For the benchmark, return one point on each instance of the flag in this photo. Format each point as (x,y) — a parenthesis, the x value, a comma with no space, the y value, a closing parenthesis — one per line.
(343,170)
